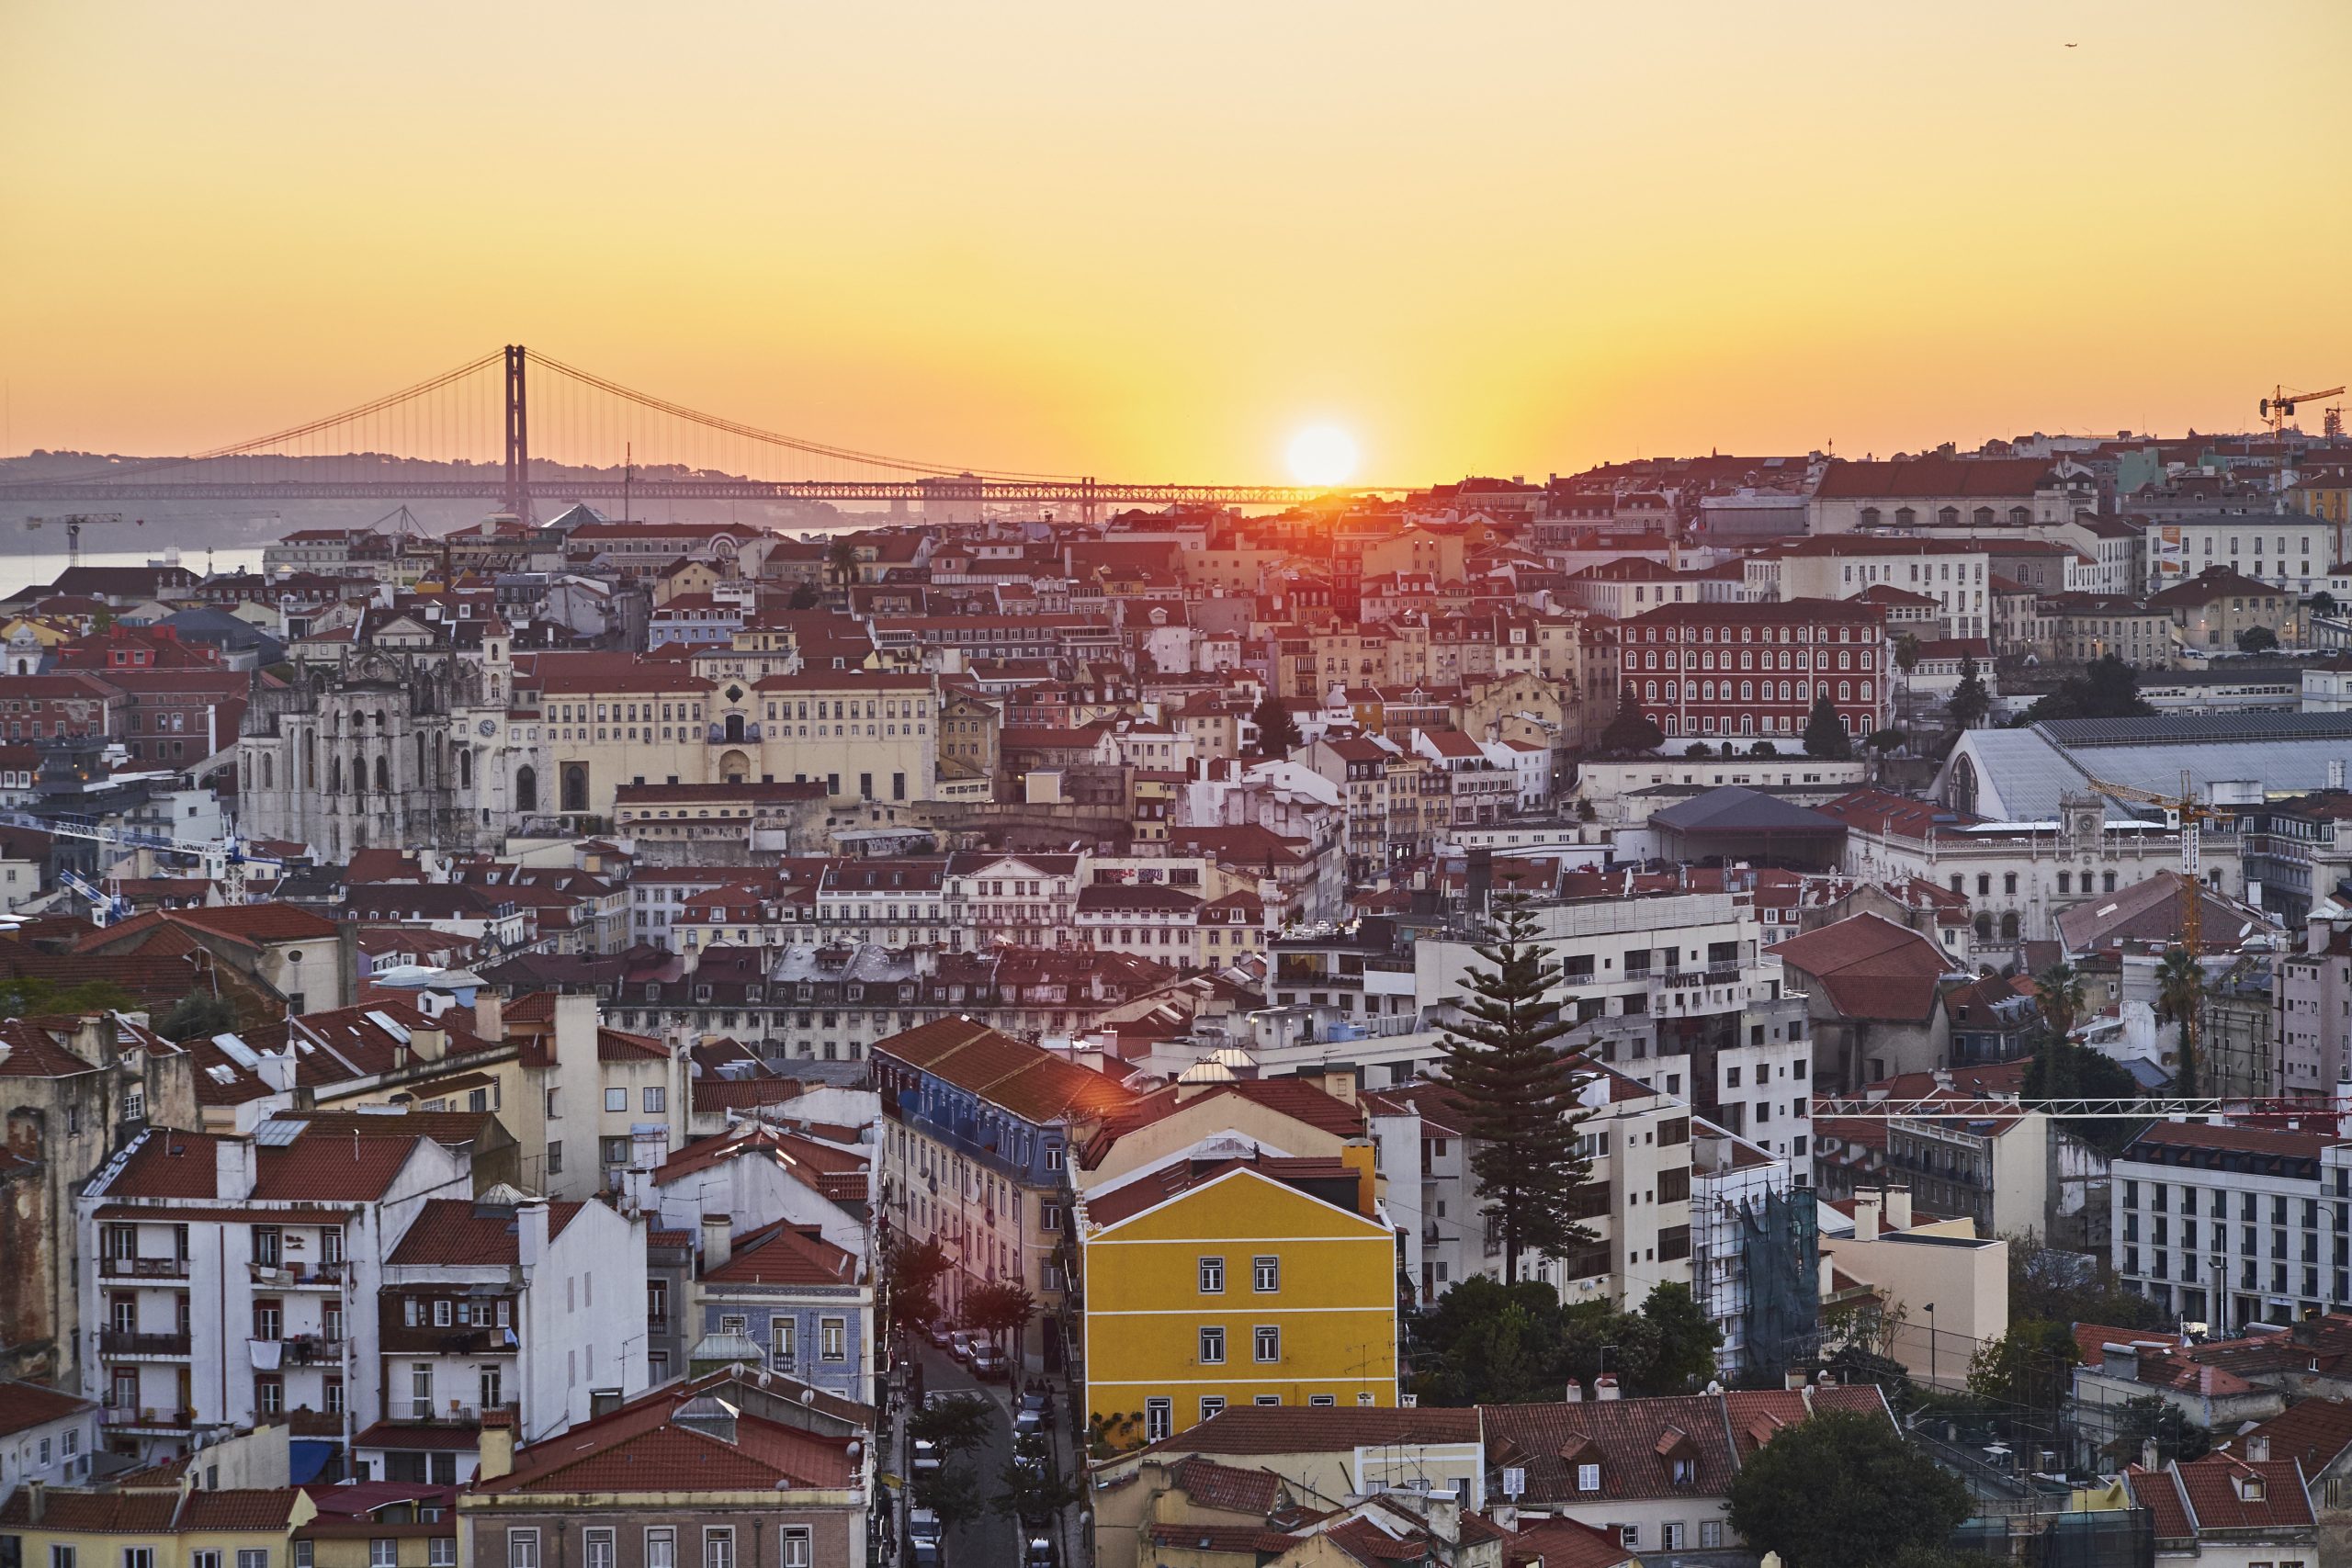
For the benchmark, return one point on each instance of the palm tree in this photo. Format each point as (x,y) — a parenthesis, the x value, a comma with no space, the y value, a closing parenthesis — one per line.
(2058,992)
(2180,986)
(841,560)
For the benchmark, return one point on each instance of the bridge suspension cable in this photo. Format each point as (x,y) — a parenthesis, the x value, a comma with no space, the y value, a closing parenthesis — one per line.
(791,443)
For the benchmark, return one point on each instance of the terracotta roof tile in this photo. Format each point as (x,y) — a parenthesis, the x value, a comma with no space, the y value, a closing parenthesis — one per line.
(450,1230)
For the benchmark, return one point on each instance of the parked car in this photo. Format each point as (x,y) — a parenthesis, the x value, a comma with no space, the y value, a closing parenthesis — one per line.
(1036,1402)
(926,1457)
(1028,1423)
(923,1524)
(1039,1553)
(926,1554)
(987,1361)
(959,1344)
(938,1332)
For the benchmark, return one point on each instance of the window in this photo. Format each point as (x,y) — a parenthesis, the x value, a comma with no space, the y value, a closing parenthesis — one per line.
(656,1099)
(793,1547)
(440,1552)
(1670,1537)
(1159,1422)
(1266,1342)
(203,1560)
(1212,1276)
(1588,1478)
(833,1336)
(138,1557)
(555,1159)
(780,1333)
(253,1557)
(522,1549)
(1632,1534)
(63,1556)
(1211,1404)
(661,1547)
(616,1099)
(1265,1274)
(1322,1401)
(1212,1347)
(1710,1535)
(383,1553)
(719,1546)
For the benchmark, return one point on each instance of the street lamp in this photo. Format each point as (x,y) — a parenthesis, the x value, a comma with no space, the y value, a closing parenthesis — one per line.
(1932,1341)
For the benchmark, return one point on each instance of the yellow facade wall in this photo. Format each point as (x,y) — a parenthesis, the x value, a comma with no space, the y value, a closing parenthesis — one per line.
(1332,1305)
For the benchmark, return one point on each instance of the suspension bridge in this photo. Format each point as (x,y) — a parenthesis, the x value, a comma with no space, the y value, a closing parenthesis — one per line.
(468,434)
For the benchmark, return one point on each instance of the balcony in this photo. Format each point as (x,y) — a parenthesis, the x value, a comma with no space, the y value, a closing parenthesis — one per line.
(146,1418)
(142,1268)
(450,1341)
(311,1350)
(129,1345)
(300,1276)
(456,1413)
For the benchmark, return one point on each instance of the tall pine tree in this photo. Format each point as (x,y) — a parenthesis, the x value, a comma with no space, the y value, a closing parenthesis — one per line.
(1517,1092)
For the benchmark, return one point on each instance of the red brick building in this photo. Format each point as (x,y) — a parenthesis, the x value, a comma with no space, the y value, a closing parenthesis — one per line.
(1752,671)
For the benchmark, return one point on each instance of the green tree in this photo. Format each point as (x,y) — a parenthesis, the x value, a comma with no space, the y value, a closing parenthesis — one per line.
(1278,733)
(2061,1069)
(841,560)
(952,1493)
(1906,652)
(1032,1487)
(32,997)
(1763,749)
(1000,1308)
(198,1013)
(1683,1354)
(1488,1343)
(2151,1415)
(1843,1490)
(2031,1366)
(1823,736)
(1884,740)
(1970,701)
(1631,730)
(1517,1091)
(2053,1285)
(2107,688)
(952,1426)
(2058,995)
(912,1272)
(1698,749)
(804,597)
(2322,602)
(2258,639)
(2180,992)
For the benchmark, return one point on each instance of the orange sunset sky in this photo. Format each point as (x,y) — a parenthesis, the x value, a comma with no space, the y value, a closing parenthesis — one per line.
(1156,240)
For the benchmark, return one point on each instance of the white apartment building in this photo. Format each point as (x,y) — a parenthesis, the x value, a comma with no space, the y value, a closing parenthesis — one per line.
(228,1279)
(2234,1226)
(1950,571)
(2287,550)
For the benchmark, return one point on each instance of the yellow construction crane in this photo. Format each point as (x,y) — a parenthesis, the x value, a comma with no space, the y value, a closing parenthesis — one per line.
(2191,815)
(2279,406)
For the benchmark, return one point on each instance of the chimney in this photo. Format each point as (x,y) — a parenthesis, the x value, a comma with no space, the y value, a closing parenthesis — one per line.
(232,1168)
(2258,1448)
(1793,1381)
(2151,1457)
(1898,1206)
(1575,1395)
(717,1240)
(1337,1080)
(531,1233)
(1604,1387)
(1443,1508)
(2118,1360)
(1866,1216)
(36,1501)
(497,1445)
(430,1044)
(277,1069)
(489,1017)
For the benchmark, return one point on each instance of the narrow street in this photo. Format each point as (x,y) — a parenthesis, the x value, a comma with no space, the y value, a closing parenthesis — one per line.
(993,1541)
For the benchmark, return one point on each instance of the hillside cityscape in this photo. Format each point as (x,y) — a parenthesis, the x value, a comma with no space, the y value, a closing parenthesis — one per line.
(1704,1008)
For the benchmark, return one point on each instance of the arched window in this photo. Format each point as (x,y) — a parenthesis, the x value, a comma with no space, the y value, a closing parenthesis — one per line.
(1673,725)
(383,777)
(334,775)
(1747,724)
(1844,690)
(2009,925)
(526,788)
(1746,691)
(360,774)
(1652,689)
(465,767)
(575,786)
(309,761)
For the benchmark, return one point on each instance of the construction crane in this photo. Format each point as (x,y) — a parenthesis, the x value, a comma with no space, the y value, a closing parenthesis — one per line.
(74,522)
(2279,406)
(222,860)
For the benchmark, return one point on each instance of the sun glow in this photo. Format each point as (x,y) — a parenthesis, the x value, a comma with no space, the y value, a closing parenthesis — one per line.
(1322,455)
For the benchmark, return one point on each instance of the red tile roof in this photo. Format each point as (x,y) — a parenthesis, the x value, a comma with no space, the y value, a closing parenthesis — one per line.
(1233,1491)
(641,1449)
(1294,1098)
(450,1230)
(1870,967)
(168,1163)
(1027,1080)
(1294,1428)
(27,1405)
(785,1254)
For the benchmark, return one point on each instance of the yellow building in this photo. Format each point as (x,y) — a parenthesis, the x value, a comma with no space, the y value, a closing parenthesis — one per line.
(171,1526)
(1263,1282)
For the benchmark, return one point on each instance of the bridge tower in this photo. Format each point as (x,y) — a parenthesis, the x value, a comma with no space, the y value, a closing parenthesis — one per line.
(517,497)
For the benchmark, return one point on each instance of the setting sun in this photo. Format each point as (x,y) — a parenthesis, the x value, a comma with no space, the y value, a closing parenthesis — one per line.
(1322,455)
